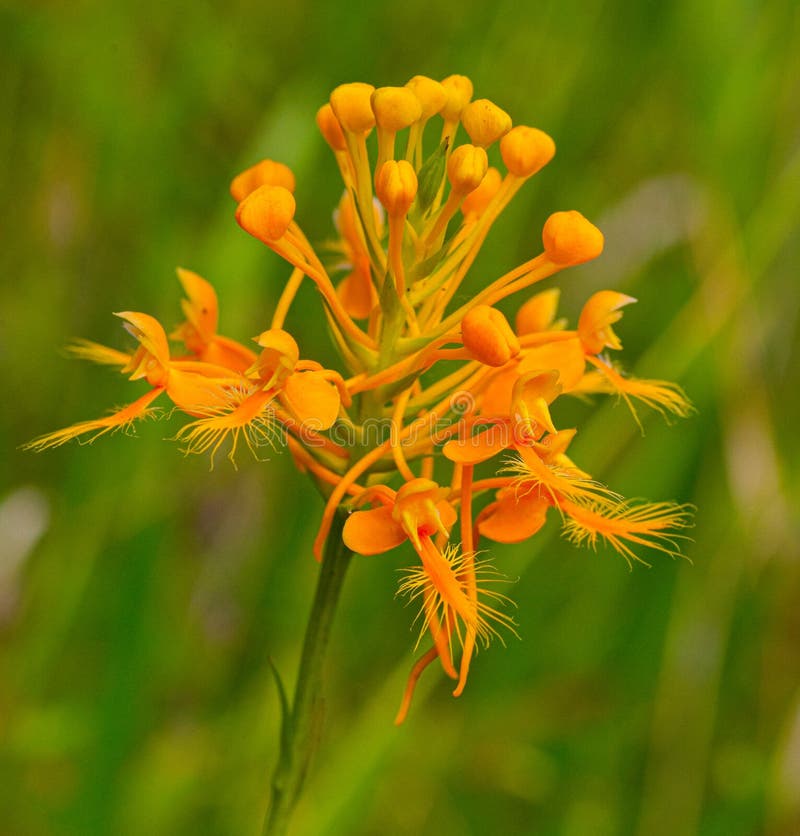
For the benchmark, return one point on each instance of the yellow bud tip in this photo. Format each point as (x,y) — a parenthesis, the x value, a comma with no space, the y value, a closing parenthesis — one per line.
(538,313)
(266,213)
(330,128)
(396,186)
(395,108)
(459,94)
(485,122)
(526,150)
(488,336)
(265,173)
(569,238)
(476,202)
(353,107)
(466,168)
(430,94)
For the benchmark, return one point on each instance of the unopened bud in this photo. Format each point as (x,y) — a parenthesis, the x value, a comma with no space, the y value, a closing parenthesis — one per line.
(431,95)
(265,173)
(396,186)
(485,122)
(459,93)
(476,202)
(466,168)
(569,238)
(330,128)
(353,108)
(395,108)
(266,213)
(488,336)
(526,150)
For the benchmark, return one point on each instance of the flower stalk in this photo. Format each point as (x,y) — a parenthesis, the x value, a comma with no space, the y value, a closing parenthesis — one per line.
(302,722)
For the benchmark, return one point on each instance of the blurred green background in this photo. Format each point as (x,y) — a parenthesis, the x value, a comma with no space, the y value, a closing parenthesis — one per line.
(141,595)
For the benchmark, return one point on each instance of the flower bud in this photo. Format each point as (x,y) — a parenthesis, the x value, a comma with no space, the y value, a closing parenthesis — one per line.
(330,128)
(476,202)
(538,313)
(570,239)
(485,122)
(600,312)
(278,359)
(395,108)
(488,336)
(459,93)
(265,173)
(526,150)
(352,106)
(431,95)
(396,186)
(266,213)
(466,168)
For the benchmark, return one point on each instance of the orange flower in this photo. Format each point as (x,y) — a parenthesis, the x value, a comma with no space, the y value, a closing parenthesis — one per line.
(418,512)
(280,390)
(193,387)
(520,510)
(547,345)
(199,332)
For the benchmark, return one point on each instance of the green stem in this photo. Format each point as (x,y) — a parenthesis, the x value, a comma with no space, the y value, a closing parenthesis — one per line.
(301,726)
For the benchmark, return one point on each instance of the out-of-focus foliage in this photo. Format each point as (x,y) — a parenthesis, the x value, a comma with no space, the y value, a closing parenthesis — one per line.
(141,595)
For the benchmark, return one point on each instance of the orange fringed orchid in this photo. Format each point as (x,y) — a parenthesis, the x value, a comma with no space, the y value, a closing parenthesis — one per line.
(199,332)
(437,474)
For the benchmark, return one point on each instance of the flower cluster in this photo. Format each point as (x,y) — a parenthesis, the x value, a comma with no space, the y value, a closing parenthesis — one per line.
(474,451)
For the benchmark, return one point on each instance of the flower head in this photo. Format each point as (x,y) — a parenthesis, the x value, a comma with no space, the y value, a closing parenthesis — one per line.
(473,446)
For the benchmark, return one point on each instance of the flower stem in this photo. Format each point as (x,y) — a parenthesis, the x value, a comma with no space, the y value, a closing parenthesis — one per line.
(302,723)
